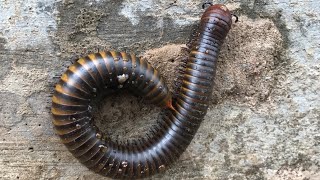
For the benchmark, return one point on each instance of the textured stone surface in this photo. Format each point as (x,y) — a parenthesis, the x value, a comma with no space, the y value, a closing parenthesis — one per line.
(263,122)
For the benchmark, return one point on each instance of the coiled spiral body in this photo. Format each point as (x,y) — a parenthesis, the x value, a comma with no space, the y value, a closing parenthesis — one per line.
(100,72)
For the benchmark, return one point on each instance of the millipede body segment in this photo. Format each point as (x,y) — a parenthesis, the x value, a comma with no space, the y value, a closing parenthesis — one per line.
(106,71)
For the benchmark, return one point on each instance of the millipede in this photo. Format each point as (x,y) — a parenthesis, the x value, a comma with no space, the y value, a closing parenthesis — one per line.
(109,70)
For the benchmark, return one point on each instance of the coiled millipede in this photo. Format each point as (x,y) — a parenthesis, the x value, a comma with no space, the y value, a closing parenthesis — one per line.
(98,72)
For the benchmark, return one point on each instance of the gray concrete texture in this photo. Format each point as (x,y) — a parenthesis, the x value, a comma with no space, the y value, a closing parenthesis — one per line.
(264,117)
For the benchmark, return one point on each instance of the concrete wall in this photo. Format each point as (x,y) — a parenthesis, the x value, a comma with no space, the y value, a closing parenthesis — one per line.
(263,121)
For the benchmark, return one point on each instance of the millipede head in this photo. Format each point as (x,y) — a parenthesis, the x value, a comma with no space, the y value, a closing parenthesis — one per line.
(220,10)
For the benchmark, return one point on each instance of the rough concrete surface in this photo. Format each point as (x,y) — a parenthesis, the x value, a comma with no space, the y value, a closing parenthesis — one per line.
(264,117)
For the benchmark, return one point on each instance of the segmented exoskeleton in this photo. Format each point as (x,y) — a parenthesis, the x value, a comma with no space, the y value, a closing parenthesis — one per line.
(97,73)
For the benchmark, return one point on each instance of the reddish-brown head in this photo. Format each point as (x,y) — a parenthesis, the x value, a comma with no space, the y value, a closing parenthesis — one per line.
(220,11)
